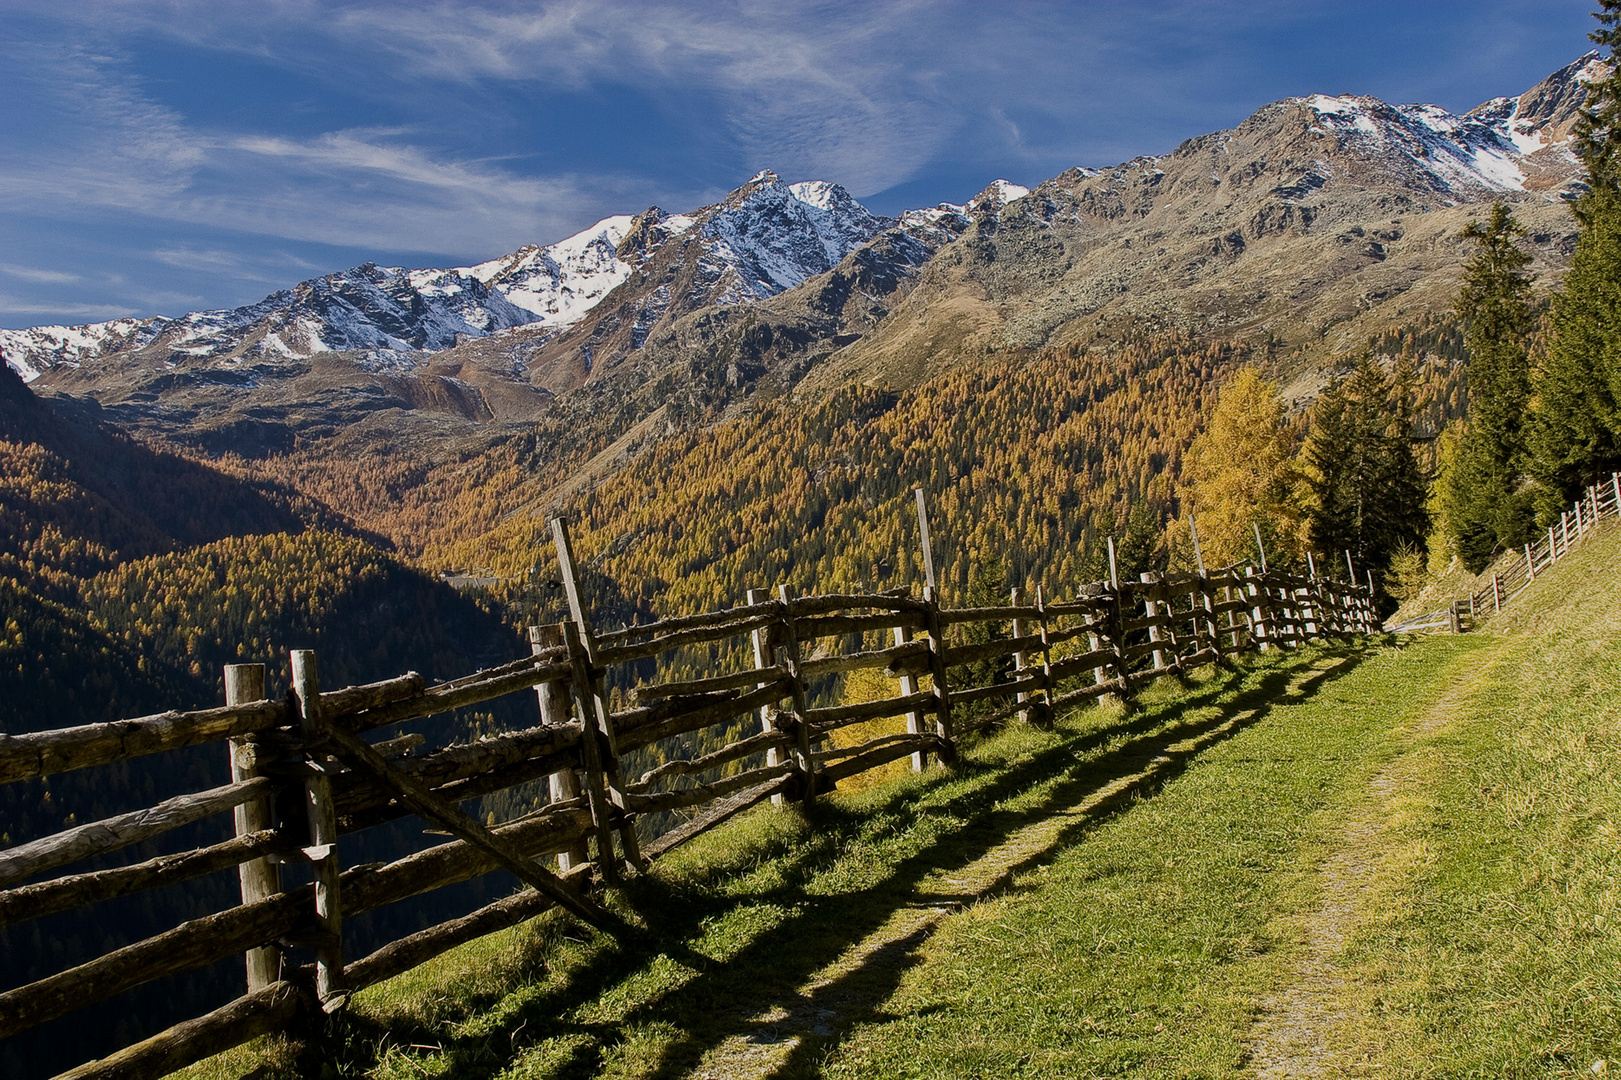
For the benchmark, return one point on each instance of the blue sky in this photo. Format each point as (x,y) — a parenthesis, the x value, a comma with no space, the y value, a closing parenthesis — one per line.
(157,158)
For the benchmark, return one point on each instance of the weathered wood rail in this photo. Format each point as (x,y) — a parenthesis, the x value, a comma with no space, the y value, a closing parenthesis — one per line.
(983,667)
(1512,574)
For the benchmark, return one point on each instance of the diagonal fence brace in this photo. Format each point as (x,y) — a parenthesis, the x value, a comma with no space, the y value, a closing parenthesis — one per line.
(358,753)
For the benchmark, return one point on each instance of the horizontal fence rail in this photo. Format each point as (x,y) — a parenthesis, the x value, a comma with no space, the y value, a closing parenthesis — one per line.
(954,672)
(1512,573)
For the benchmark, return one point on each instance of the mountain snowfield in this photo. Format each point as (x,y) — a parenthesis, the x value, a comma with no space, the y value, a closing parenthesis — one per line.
(764,239)
(769,237)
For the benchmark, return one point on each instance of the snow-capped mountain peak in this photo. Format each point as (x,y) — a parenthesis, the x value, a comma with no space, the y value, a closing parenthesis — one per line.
(1505,145)
(764,238)
(997,194)
(768,236)
(561,282)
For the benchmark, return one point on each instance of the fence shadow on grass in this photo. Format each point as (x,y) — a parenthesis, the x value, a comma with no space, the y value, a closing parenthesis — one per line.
(1103,770)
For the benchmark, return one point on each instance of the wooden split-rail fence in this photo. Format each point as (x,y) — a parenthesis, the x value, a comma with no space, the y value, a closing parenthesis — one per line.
(1043,653)
(1511,574)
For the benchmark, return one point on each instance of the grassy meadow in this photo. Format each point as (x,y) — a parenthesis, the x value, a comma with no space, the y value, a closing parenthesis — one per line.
(1394,859)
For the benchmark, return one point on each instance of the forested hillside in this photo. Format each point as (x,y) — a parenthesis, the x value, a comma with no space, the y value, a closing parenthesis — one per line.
(1028,464)
(128,578)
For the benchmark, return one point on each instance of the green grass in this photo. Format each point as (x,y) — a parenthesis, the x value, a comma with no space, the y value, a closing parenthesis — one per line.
(1116,897)
(1142,948)
(1499,950)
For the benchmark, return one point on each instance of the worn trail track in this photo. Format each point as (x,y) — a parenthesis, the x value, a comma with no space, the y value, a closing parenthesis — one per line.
(1318,1023)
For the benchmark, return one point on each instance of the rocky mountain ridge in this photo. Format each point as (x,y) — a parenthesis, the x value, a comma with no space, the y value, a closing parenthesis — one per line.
(1311,224)
(768,237)
(764,238)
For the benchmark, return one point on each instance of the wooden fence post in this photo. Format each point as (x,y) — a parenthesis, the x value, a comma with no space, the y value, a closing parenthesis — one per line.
(1040,712)
(1230,593)
(937,669)
(923,529)
(259,878)
(937,643)
(556,709)
(1497,593)
(1373,610)
(1260,629)
(1311,612)
(788,651)
(1615,483)
(1288,612)
(914,720)
(1359,616)
(1048,717)
(1020,628)
(1330,595)
(1117,630)
(595,715)
(1204,597)
(1095,622)
(1151,611)
(1530,565)
(1212,628)
(763,642)
(323,849)
(598,792)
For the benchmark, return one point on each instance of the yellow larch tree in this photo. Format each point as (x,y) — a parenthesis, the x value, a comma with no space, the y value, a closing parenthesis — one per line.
(1240,473)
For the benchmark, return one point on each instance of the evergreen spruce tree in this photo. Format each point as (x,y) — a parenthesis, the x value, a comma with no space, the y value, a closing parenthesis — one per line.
(1490,509)
(1575,436)
(1367,487)
(1598,124)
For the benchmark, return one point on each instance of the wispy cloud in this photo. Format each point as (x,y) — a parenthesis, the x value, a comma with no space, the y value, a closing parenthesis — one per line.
(830,90)
(106,144)
(186,258)
(365,188)
(25,306)
(44,277)
(422,125)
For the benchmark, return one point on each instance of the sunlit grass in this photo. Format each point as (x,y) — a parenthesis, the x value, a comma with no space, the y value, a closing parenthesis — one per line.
(1498,952)
(1139,933)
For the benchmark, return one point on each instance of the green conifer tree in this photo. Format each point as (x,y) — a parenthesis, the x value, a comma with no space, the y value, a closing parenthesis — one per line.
(1598,124)
(1490,509)
(1575,435)
(1367,487)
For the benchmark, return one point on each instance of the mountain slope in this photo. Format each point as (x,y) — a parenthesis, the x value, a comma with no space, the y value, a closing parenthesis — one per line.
(1315,222)
(1312,226)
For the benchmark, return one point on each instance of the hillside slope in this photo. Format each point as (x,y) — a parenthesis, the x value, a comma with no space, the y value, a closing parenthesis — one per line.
(1396,858)
(1314,223)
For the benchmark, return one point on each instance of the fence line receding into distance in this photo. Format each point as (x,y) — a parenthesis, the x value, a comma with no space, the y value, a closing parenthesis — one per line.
(955,671)
(1521,567)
